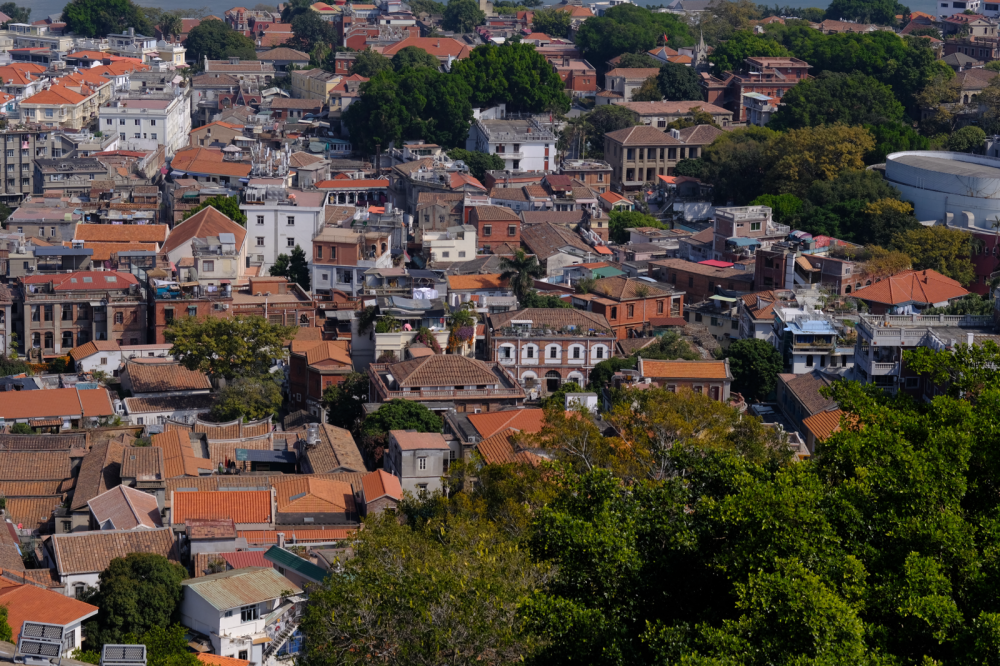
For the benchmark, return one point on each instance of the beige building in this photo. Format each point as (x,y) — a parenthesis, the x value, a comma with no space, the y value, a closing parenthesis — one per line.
(661,114)
(640,154)
(60,106)
(313,83)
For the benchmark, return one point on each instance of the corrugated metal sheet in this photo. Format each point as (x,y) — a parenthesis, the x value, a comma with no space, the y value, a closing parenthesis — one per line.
(241,587)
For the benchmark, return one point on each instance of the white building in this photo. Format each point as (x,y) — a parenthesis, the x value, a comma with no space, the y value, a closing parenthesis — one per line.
(278,219)
(455,244)
(148,121)
(242,611)
(808,341)
(102,355)
(524,145)
(957,189)
(417,459)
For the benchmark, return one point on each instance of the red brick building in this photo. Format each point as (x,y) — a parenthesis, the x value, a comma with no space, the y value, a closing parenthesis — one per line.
(631,306)
(699,280)
(711,378)
(769,76)
(495,226)
(314,366)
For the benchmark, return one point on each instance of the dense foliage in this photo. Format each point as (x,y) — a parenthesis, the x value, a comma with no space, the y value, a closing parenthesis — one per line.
(477,161)
(294,267)
(849,99)
(249,399)
(16,12)
(628,28)
(241,346)
(552,22)
(345,401)
(678,82)
(368,63)
(228,206)
(412,57)
(215,40)
(620,221)
(755,365)
(97,18)
(513,74)
(401,415)
(462,16)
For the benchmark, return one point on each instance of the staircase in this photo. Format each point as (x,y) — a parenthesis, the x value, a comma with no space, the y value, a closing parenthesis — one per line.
(279,640)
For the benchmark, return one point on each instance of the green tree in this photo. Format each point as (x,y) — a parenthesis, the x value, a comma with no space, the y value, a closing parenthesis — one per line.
(649,91)
(738,163)
(97,18)
(967,140)
(368,63)
(879,12)
(215,40)
(478,162)
(533,299)
(963,371)
(729,55)
(17,13)
(944,250)
(558,397)
(725,18)
(755,365)
(310,29)
(849,99)
(629,29)
(552,22)
(170,24)
(513,74)
(520,271)
(21,429)
(295,268)
(413,104)
(678,82)
(457,584)
(345,402)
(228,206)
(892,138)
(973,304)
(413,57)
(241,346)
(620,221)
(138,593)
(639,61)
(462,16)
(5,632)
(294,8)
(248,399)
(784,207)
(165,646)
(427,7)
(401,414)
(5,212)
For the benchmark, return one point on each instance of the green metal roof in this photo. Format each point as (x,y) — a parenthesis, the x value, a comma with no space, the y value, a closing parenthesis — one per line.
(606,271)
(290,560)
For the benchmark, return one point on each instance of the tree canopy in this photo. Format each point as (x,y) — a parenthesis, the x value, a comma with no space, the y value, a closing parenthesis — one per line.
(520,271)
(620,221)
(249,399)
(513,74)
(295,267)
(413,104)
(16,12)
(413,57)
(628,28)
(401,414)
(552,22)
(368,63)
(462,16)
(97,18)
(729,55)
(755,365)
(942,249)
(678,82)
(215,40)
(228,206)
(879,12)
(345,401)
(137,593)
(848,99)
(241,346)
(477,161)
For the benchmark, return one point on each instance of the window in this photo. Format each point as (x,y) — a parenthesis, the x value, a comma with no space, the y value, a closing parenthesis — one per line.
(121,121)
(599,352)
(248,614)
(809,360)
(690,281)
(755,226)
(122,135)
(260,241)
(488,230)
(631,311)
(614,313)
(422,463)
(243,655)
(138,122)
(291,242)
(152,123)
(319,251)
(119,318)
(529,352)
(576,352)
(67,313)
(260,219)
(461,254)
(659,307)
(697,316)
(153,136)
(228,613)
(78,590)
(511,230)
(48,313)
(553,352)
(291,220)
(630,153)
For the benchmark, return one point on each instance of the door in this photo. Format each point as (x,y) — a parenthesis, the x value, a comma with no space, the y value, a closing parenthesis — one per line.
(552,381)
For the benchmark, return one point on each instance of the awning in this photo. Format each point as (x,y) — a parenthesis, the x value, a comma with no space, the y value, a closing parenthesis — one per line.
(600,249)
(46,422)
(722,298)
(743,242)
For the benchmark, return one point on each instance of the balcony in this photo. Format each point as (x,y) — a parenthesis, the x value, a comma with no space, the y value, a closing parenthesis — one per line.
(510,155)
(877,368)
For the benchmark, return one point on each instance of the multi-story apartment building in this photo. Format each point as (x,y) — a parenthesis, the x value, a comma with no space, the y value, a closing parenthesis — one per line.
(808,340)
(524,145)
(700,280)
(620,83)
(313,83)
(740,231)
(661,114)
(340,257)
(579,77)
(65,310)
(770,76)
(53,224)
(70,176)
(314,366)
(639,154)
(800,262)
(133,45)
(144,122)
(595,174)
(495,226)
(547,347)
(27,36)
(280,219)
(248,72)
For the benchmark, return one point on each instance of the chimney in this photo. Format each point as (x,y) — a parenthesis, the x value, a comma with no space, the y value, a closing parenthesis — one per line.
(971,338)
(281,539)
(312,434)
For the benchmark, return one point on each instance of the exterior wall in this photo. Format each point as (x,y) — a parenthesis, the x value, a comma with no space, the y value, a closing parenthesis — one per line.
(713,388)
(107,361)
(139,124)
(274,235)
(405,465)
(633,315)
(182,308)
(532,155)
(72,582)
(531,360)
(82,324)
(696,286)
(633,166)
(493,233)
(946,198)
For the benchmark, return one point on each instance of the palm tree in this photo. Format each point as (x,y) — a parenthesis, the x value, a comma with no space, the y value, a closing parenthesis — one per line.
(521,271)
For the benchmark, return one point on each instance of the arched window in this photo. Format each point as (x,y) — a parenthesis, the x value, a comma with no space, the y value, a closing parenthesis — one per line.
(36,340)
(529,351)
(848,290)
(965,99)
(554,351)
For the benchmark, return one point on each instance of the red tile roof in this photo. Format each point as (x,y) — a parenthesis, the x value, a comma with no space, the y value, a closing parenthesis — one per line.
(502,449)
(245,506)
(245,558)
(926,286)
(439,47)
(99,280)
(51,403)
(31,603)
(348,184)
(264,537)
(380,484)
(204,223)
(685,369)
(525,420)
(122,233)
(418,441)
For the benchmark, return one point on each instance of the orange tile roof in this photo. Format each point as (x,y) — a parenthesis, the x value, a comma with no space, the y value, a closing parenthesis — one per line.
(103,251)
(502,449)
(56,403)
(27,602)
(926,286)
(524,420)
(244,506)
(204,223)
(264,537)
(824,424)
(418,441)
(207,161)
(347,184)
(486,281)
(159,377)
(311,495)
(380,484)
(92,347)
(122,233)
(219,660)
(178,456)
(56,95)
(685,369)
(439,47)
